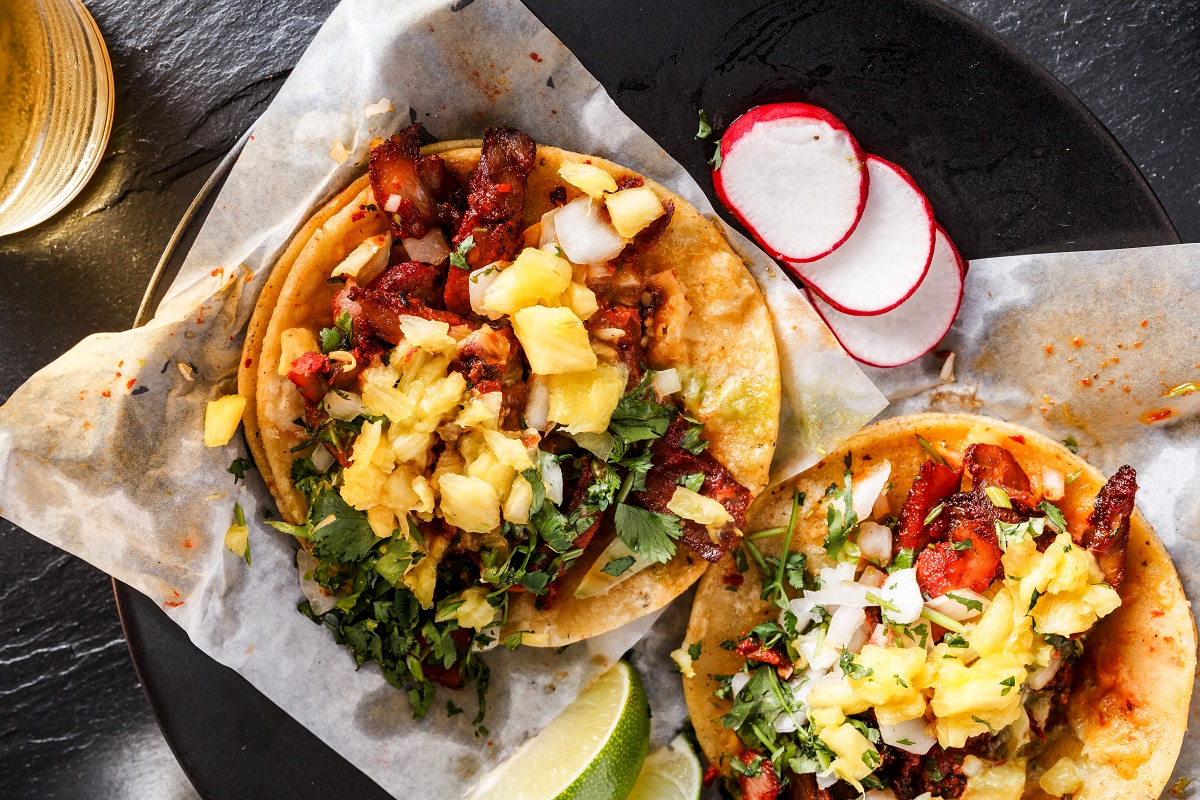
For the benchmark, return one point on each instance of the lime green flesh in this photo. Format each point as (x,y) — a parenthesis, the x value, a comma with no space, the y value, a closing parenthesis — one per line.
(669,773)
(593,750)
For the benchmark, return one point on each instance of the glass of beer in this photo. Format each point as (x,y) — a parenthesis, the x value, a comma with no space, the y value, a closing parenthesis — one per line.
(56,105)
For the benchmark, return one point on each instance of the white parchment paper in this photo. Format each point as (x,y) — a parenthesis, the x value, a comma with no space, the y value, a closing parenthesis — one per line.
(101,452)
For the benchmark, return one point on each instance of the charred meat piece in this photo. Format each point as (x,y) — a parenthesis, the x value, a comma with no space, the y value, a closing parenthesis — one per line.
(804,787)
(938,772)
(671,462)
(620,327)
(992,465)
(377,314)
(976,506)
(669,311)
(632,254)
(970,560)
(399,190)
(933,484)
(753,650)
(489,358)
(1045,705)
(1107,534)
(310,372)
(408,279)
(444,186)
(496,196)
(764,786)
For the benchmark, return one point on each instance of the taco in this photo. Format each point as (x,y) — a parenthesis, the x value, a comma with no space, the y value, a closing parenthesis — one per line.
(967,609)
(511,393)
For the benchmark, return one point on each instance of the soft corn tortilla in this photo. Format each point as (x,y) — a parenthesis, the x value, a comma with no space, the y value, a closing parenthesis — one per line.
(733,384)
(1132,689)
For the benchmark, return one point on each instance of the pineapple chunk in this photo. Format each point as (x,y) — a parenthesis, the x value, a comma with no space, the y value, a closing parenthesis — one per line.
(698,508)
(400,492)
(1062,778)
(469,503)
(581,300)
(683,660)
(999,782)
(588,178)
(1069,583)
(1003,628)
(554,340)
(510,452)
(891,686)
(520,498)
(410,447)
(481,412)
(382,521)
(367,260)
(856,756)
(837,693)
(293,343)
(222,417)
(969,700)
(1068,614)
(489,469)
(633,209)
(237,538)
(535,277)
(430,335)
(583,402)
(362,481)
(421,578)
(475,612)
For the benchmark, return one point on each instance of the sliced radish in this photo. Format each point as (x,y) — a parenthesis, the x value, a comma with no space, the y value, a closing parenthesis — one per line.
(883,262)
(795,177)
(913,328)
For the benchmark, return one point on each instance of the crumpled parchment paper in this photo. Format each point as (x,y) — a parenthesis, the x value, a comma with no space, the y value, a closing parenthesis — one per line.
(101,452)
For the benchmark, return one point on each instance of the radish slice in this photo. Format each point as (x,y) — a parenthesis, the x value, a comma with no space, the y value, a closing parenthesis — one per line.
(884,261)
(795,177)
(913,328)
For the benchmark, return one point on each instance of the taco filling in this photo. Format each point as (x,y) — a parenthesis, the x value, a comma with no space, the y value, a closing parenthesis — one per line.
(489,395)
(931,658)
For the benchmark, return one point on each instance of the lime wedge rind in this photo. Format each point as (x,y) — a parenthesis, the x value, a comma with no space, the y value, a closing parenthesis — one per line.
(670,773)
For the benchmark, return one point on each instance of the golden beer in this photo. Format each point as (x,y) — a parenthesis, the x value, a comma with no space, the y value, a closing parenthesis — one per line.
(56,93)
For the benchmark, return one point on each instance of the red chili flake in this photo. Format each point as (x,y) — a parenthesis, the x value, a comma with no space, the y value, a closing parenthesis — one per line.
(106,393)
(357,215)
(734,579)
(1050,349)
(1086,381)
(187,543)
(172,604)
(120,364)
(710,775)
(132,381)
(503,187)
(1137,343)
(536,57)
(1157,416)
(1144,323)
(118,374)
(216,272)
(1019,439)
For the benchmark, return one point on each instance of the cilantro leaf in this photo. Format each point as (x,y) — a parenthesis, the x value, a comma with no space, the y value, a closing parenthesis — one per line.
(340,531)
(1010,532)
(339,336)
(459,257)
(1071,444)
(851,667)
(238,468)
(971,605)
(840,518)
(715,161)
(513,640)
(1054,515)
(649,534)
(638,417)
(705,130)
(693,481)
(691,440)
(693,651)
(617,566)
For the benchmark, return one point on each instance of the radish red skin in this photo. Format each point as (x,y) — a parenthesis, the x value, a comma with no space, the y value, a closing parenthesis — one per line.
(962,271)
(777,111)
(859,312)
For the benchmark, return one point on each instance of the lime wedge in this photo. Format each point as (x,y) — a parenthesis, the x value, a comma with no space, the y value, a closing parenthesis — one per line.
(591,751)
(669,773)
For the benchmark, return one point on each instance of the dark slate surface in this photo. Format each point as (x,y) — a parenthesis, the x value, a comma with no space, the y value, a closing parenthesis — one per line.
(191,76)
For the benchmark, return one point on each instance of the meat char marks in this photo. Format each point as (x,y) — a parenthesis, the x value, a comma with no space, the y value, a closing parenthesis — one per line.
(1107,534)
(495,204)
(671,462)
(418,192)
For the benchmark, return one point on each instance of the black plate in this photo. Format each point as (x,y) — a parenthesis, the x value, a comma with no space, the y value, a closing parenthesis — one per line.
(1011,161)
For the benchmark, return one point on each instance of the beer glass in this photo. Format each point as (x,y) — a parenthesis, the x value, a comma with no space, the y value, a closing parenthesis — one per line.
(56,103)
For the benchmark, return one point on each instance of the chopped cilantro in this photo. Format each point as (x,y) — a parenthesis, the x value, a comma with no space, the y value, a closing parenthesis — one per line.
(705,130)
(649,534)
(904,559)
(238,468)
(956,640)
(934,513)
(933,454)
(1010,532)
(691,440)
(965,544)
(638,417)
(459,257)
(340,532)
(1054,515)
(851,667)
(451,709)
(339,336)
(985,723)
(617,566)
(693,481)
(971,605)
(728,644)
(715,161)
(906,742)
(693,651)
(998,496)
(840,519)
(1008,684)
(513,640)
(1071,444)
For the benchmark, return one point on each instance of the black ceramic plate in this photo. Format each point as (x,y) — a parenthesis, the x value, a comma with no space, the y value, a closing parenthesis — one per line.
(1011,161)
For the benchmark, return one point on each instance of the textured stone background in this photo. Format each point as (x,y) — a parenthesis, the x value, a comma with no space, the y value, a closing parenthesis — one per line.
(190,77)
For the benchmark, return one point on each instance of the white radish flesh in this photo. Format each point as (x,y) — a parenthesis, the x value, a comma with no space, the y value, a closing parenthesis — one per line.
(913,328)
(884,260)
(584,236)
(794,176)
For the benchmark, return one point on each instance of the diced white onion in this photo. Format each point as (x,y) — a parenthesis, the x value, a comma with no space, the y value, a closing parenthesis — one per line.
(548,234)
(840,593)
(344,405)
(902,593)
(915,731)
(882,506)
(1053,484)
(868,488)
(375,109)
(478,285)
(366,261)
(972,766)
(847,630)
(318,597)
(953,609)
(584,237)
(1043,676)
(875,542)
(321,458)
(826,779)
(429,249)
(552,477)
(537,406)
(392,204)
(666,383)
(875,578)
(738,682)
(947,373)
(803,610)
(786,723)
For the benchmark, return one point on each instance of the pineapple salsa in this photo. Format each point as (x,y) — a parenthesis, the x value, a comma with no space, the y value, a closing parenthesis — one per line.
(930,658)
(489,399)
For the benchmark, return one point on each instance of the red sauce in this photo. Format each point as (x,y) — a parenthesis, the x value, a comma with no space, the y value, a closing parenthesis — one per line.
(536,57)
(1019,439)
(1157,416)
